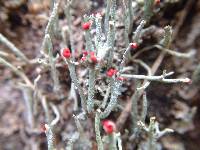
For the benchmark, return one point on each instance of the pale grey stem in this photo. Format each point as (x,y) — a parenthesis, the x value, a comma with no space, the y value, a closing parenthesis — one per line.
(52,19)
(72,140)
(166,41)
(56,112)
(72,95)
(79,126)
(148,9)
(153,132)
(13,48)
(113,10)
(112,141)
(130,12)
(75,80)
(73,75)
(89,44)
(107,16)
(98,20)
(134,107)
(113,100)
(126,24)
(50,137)
(124,57)
(54,73)
(16,71)
(35,95)
(67,11)
(151,138)
(148,69)
(168,51)
(46,109)
(27,93)
(4,54)
(160,78)
(97,130)
(110,42)
(138,31)
(119,141)
(91,89)
(177,54)
(106,96)
(144,107)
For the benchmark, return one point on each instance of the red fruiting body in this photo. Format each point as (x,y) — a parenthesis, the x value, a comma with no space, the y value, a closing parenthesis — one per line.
(157,2)
(109,126)
(93,58)
(85,53)
(92,53)
(111,72)
(133,45)
(86,26)
(66,53)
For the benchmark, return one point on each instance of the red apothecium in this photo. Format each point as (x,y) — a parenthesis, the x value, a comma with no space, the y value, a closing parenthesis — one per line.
(109,126)
(111,72)
(86,25)
(66,53)
(134,45)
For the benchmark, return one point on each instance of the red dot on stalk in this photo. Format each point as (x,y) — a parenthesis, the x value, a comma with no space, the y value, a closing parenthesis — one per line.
(157,2)
(134,45)
(85,53)
(93,58)
(86,26)
(111,72)
(66,53)
(109,126)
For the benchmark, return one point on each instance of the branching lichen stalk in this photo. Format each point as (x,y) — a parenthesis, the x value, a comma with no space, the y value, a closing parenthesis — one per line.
(97,131)
(167,37)
(148,9)
(52,19)
(138,31)
(54,73)
(75,80)
(110,42)
(50,137)
(67,11)
(113,99)
(91,89)
(13,48)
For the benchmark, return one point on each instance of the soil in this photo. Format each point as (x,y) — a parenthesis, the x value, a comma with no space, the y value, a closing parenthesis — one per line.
(175,106)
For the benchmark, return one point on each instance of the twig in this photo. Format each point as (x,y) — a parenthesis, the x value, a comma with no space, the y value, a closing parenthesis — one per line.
(56,112)
(17,71)
(97,130)
(54,73)
(160,78)
(13,48)
(75,80)
(91,89)
(68,15)
(168,51)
